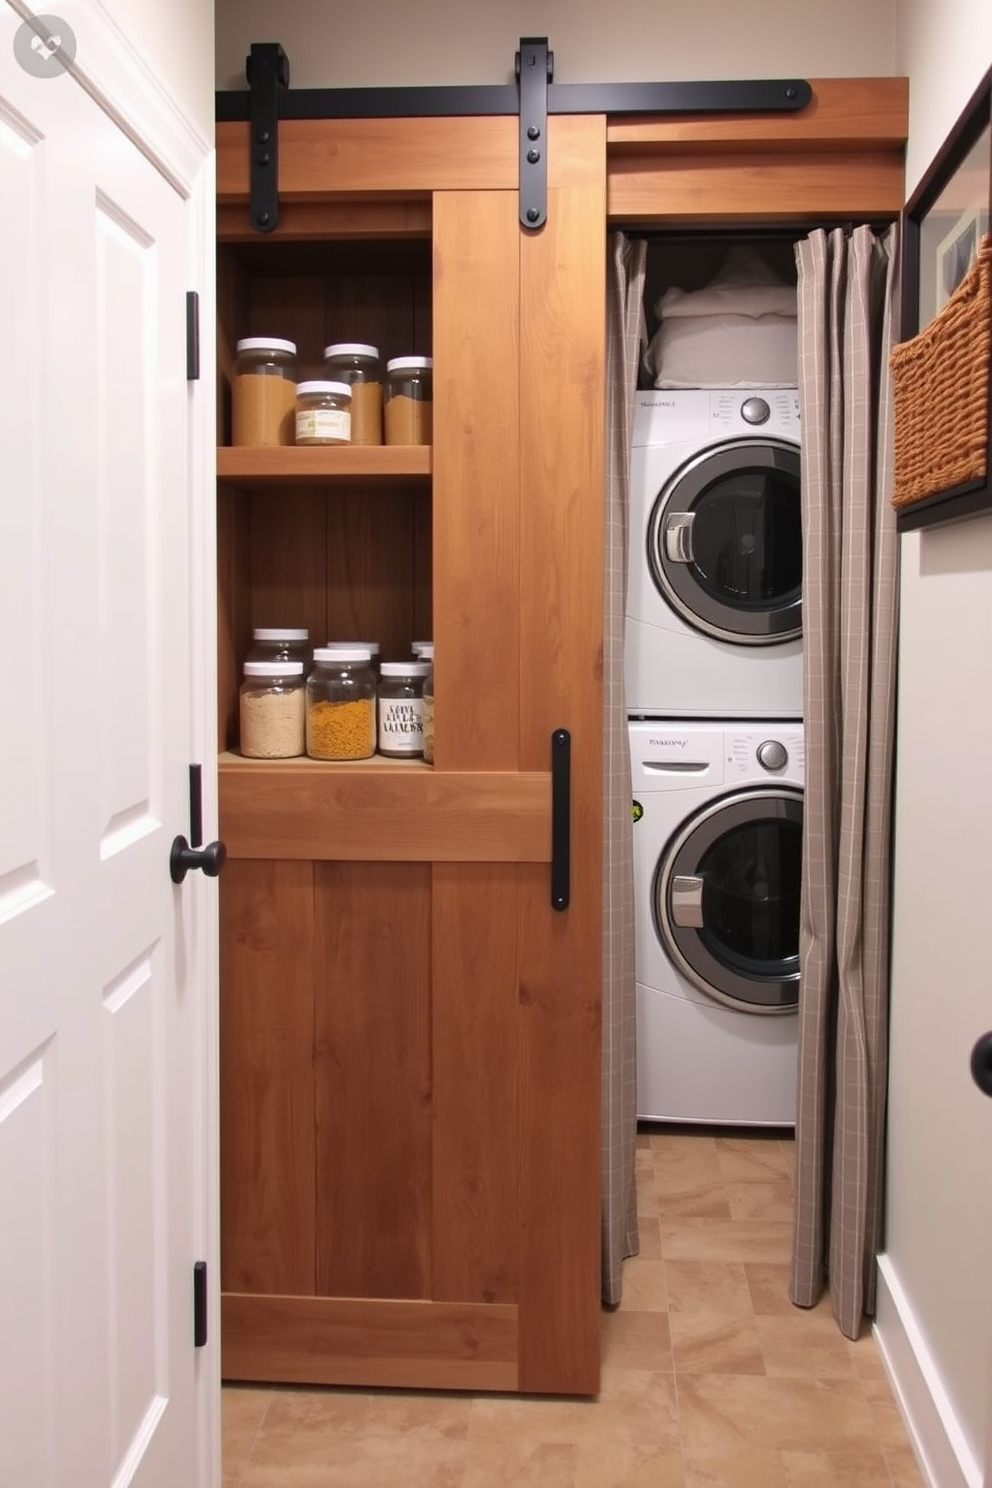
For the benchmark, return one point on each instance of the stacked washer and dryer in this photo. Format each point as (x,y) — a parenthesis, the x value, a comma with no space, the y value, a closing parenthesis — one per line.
(714,693)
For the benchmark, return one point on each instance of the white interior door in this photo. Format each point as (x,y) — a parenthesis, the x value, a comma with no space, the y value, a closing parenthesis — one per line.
(101,988)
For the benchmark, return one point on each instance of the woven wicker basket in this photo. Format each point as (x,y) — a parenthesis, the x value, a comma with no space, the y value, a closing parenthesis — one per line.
(940,383)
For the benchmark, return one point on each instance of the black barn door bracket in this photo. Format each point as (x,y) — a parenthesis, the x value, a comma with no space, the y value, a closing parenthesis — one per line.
(267,71)
(533,97)
(535,69)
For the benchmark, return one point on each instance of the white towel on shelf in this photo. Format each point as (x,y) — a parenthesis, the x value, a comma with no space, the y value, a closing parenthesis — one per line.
(744,285)
(739,330)
(725,351)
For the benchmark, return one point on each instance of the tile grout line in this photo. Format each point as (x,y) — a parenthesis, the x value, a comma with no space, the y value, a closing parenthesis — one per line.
(254,1441)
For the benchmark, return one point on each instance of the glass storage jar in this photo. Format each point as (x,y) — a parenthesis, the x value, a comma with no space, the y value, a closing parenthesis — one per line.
(271,707)
(401,709)
(272,644)
(263,394)
(358,365)
(341,705)
(421,650)
(427,698)
(409,400)
(323,413)
(372,647)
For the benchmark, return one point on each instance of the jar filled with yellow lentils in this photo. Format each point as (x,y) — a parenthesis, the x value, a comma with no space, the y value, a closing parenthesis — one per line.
(341,705)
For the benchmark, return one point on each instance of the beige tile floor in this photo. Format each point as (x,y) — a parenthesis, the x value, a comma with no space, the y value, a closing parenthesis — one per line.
(711,1378)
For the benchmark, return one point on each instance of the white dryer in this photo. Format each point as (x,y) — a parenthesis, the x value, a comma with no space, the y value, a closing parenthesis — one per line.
(714,606)
(718,813)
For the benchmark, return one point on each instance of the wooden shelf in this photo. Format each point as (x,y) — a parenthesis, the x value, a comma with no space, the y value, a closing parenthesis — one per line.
(230,761)
(257,466)
(382,810)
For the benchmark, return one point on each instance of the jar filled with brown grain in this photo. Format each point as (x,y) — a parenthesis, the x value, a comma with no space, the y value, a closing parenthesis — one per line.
(323,413)
(409,400)
(357,364)
(272,707)
(341,705)
(263,394)
(401,709)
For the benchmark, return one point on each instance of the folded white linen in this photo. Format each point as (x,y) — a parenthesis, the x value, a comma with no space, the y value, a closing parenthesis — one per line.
(725,351)
(744,285)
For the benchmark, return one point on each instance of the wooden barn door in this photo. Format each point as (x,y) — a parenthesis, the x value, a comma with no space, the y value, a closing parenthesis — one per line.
(410,1030)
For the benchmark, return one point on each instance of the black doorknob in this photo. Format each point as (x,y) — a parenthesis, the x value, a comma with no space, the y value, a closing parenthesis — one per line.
(182,858)
(981,1064)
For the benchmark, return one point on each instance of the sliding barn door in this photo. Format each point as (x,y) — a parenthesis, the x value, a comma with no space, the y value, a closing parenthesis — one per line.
(411,1030)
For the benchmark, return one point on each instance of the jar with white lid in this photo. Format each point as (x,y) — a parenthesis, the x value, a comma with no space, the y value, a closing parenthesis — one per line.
(409,400)
(401,708)
(323,413)
(357,364)
(263,392)
(427,699)
(272,709)
(270,643)
(372,647)
(421,650)
(341,705)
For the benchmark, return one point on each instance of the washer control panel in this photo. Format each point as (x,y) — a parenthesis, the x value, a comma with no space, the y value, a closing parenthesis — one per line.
(672,755)
(772,754)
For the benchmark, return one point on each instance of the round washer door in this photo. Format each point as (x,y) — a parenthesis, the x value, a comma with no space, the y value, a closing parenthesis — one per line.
(726,898)
(725,542)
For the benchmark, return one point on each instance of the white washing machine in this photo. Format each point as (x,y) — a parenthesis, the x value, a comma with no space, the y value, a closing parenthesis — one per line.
(714,605)
(718,813)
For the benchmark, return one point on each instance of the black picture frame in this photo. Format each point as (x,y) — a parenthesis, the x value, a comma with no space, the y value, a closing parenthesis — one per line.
(936,254)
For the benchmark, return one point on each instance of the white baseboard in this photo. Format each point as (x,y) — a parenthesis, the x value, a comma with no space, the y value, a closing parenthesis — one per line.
(945,1457)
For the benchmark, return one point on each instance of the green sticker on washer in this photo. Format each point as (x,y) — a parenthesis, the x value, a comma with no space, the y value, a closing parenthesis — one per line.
(636,811)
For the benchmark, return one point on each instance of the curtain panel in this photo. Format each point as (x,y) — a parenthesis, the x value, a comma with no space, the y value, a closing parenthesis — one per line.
(847,327)
(625,288)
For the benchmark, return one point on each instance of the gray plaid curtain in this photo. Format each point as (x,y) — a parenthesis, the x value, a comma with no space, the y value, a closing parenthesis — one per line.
(625,289)
(847,327)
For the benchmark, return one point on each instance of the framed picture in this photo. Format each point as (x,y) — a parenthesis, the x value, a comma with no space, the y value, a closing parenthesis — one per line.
(957,251)
(943,224)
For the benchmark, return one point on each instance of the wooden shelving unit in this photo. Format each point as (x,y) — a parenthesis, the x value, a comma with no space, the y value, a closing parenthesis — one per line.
(252,468)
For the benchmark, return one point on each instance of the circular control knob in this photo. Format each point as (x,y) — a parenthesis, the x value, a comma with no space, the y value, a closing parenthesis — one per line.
(772,755)
(755,411)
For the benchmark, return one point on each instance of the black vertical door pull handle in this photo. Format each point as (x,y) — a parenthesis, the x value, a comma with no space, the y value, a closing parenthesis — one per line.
(183,855)
(561,810)
(981,1064)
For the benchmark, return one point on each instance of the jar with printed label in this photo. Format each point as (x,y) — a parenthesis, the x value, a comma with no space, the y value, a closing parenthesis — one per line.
(358,365)
(323,413)
(341,705)
(263,391)
(427,698)
(401,709)
(409,400)
(270,643)
(271,707)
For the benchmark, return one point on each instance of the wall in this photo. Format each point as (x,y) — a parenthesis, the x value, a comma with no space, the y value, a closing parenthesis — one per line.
(179,36)
(935,1311)
(450,41)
